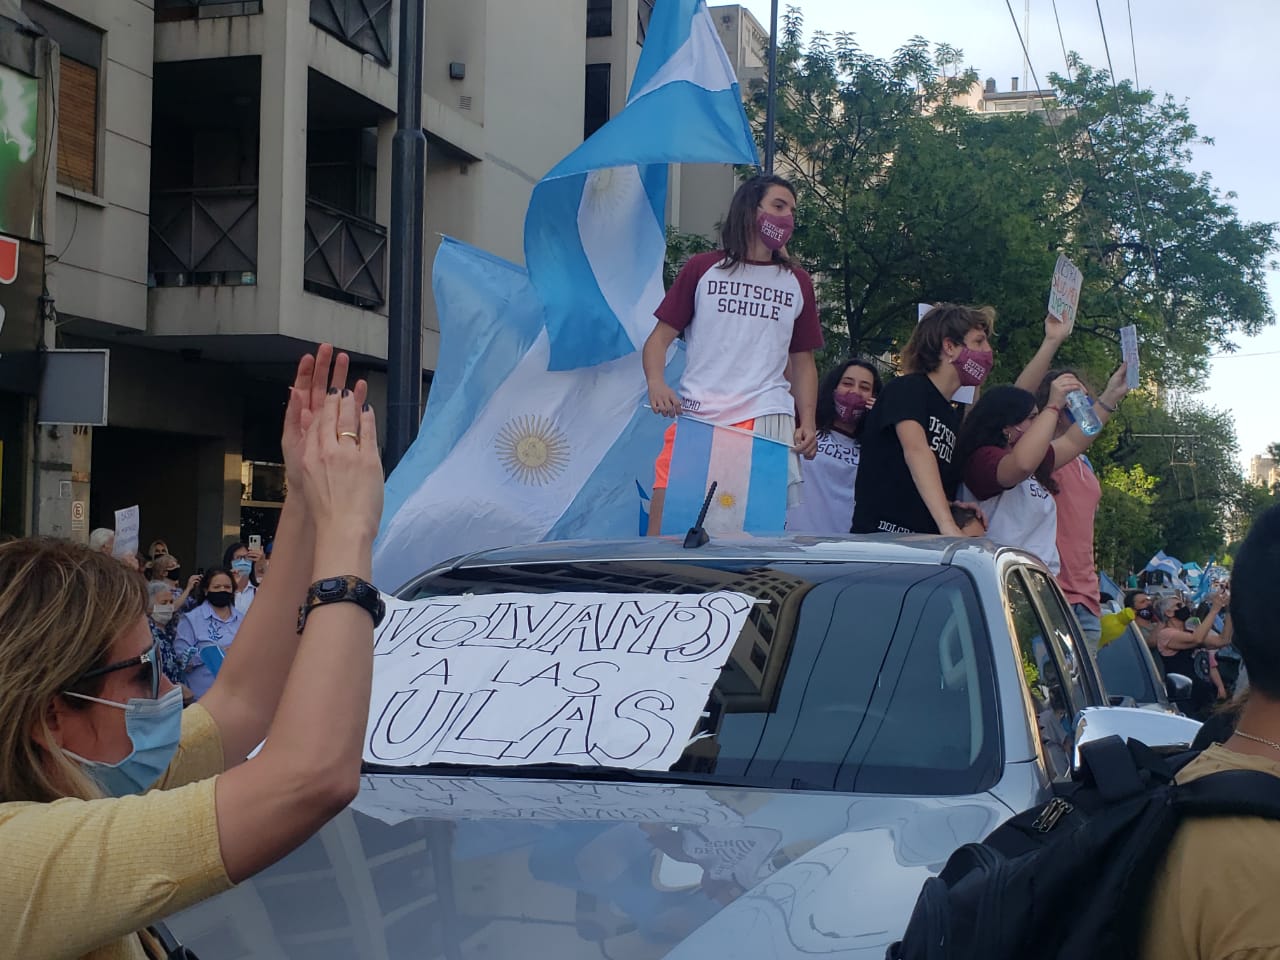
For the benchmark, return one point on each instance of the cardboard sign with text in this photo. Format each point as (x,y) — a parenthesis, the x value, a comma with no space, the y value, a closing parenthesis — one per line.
(1064,293)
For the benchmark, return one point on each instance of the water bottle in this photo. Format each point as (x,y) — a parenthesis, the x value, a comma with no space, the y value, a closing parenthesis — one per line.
(1081,408)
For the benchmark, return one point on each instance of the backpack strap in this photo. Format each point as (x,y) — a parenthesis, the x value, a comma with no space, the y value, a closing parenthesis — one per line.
(1230,793)
(1113,769)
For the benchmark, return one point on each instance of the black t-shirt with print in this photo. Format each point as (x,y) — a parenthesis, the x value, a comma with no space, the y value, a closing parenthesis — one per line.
(886,499)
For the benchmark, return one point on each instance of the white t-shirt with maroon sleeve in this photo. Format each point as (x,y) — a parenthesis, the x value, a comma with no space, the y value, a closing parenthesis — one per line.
(740,324)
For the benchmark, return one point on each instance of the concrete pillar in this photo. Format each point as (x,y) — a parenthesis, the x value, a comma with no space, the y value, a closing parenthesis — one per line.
(62,481)
(282,173)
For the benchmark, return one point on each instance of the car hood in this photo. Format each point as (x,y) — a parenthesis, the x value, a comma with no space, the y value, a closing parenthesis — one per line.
(498,868)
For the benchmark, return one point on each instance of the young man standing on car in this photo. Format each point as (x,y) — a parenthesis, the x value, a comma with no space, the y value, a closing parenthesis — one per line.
(1214,897)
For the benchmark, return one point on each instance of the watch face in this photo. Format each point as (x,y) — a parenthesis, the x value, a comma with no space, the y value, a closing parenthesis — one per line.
(331,588)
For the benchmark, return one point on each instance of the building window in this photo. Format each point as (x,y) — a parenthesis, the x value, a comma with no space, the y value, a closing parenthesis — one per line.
(78,90)
(644,13)
(596,113)
(599,18)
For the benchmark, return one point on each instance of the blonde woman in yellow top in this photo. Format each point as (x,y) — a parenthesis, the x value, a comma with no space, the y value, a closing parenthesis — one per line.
(117,807)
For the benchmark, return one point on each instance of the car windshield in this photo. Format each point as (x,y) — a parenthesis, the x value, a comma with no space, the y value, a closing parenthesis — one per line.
(866,677)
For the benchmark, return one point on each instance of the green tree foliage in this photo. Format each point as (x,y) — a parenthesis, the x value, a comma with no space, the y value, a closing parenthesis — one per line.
(1125,534)
(906,196)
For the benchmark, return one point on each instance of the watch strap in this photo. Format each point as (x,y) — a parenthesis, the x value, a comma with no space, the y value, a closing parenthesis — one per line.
(344,589)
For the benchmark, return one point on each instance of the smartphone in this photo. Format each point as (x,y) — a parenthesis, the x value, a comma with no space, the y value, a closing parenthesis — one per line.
(255,541)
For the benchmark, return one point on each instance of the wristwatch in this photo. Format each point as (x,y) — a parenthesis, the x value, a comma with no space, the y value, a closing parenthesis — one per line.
(347,589)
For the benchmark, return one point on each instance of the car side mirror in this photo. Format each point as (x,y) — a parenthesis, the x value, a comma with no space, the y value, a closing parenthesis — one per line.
(1179,687)
(1154,728)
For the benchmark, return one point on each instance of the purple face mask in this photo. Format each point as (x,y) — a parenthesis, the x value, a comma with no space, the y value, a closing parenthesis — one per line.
(974,365)
(775,231)
(850,406)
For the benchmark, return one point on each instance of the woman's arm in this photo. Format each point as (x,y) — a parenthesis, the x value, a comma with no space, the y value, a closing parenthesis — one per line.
(924,472)
(802,372)
(309,768)
(1055,333)
(662,398)
(244,697)
(1074,442)
(1025,456)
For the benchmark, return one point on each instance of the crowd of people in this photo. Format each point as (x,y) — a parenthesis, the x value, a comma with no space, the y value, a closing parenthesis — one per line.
(895,457)
(193,622)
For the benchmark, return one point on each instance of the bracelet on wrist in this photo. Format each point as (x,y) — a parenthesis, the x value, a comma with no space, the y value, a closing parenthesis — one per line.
(1106,406)
(1054,407)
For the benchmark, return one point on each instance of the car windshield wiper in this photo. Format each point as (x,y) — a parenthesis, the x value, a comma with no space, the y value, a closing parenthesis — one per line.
(565,771)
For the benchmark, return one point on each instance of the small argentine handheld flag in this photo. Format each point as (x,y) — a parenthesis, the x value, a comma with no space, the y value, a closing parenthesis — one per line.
(750,473)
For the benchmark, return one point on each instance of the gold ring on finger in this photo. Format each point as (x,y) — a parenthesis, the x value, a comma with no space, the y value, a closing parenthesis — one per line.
(353,436)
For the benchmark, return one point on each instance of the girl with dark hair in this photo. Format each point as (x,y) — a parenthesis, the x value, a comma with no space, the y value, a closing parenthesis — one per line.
(845,395)
(750,321)
(905,479)
(1007,452)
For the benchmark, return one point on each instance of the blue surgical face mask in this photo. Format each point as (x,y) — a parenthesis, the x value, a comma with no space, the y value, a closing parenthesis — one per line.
(154,728)
(242,566)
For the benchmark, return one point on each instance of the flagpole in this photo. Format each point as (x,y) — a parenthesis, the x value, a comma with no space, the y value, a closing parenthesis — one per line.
(771,107)
(404,306)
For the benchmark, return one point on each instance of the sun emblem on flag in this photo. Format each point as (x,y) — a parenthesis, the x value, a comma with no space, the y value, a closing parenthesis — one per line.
(533,450)
(600,191)
(727,501)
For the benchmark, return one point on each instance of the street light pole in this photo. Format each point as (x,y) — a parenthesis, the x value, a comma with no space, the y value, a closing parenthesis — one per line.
(404,319)
(771,107)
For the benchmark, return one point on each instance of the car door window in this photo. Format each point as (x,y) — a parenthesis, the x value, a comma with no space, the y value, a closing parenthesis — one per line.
(1042,676)
(1061,639)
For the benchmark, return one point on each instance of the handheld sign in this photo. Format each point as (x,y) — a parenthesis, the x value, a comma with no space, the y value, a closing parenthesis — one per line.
(1064,294)
(127,523)
(588,679)
(1129,348)
(964,394)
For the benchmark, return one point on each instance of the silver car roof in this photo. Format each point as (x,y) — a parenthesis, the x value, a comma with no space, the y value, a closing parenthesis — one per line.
(873,548)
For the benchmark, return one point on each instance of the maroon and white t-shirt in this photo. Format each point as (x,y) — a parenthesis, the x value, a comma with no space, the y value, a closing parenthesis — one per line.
(740,324)
(1023,515)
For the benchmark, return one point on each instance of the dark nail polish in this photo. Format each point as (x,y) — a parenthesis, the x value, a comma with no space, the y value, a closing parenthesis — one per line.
(367,408)
(346,393)
(333,391)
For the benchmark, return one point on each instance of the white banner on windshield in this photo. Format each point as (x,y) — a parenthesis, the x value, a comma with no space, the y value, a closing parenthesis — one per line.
(590,679)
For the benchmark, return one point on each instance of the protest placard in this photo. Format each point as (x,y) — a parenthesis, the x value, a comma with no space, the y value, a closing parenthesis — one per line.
(591,679)
(127,524)
(1129,350)
(1064,292)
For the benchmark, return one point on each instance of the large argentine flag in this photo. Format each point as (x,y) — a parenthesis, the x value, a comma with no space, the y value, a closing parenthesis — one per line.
(594,236)
(750,473)
(511,453)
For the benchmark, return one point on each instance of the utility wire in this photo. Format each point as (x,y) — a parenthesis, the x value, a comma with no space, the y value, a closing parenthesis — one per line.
(1144,231)
(1066,59)
(1133,49)
(1071,177)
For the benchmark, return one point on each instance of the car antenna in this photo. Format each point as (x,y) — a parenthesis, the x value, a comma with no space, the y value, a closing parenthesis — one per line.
(697,537)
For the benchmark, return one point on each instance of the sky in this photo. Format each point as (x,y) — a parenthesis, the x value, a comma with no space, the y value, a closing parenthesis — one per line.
(1213,55)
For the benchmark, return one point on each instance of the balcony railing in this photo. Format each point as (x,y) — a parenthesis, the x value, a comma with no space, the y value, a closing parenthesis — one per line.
(345,256)
(202,9)
(204,236)
(363,24)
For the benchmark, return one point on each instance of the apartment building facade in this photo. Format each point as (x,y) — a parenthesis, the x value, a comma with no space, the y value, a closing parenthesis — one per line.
(219,201)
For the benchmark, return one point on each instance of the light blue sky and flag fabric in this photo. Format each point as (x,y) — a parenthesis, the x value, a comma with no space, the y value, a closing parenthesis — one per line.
(534,426)
(685,106)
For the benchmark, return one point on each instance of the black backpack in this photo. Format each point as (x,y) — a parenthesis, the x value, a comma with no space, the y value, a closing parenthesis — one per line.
(1068,880)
